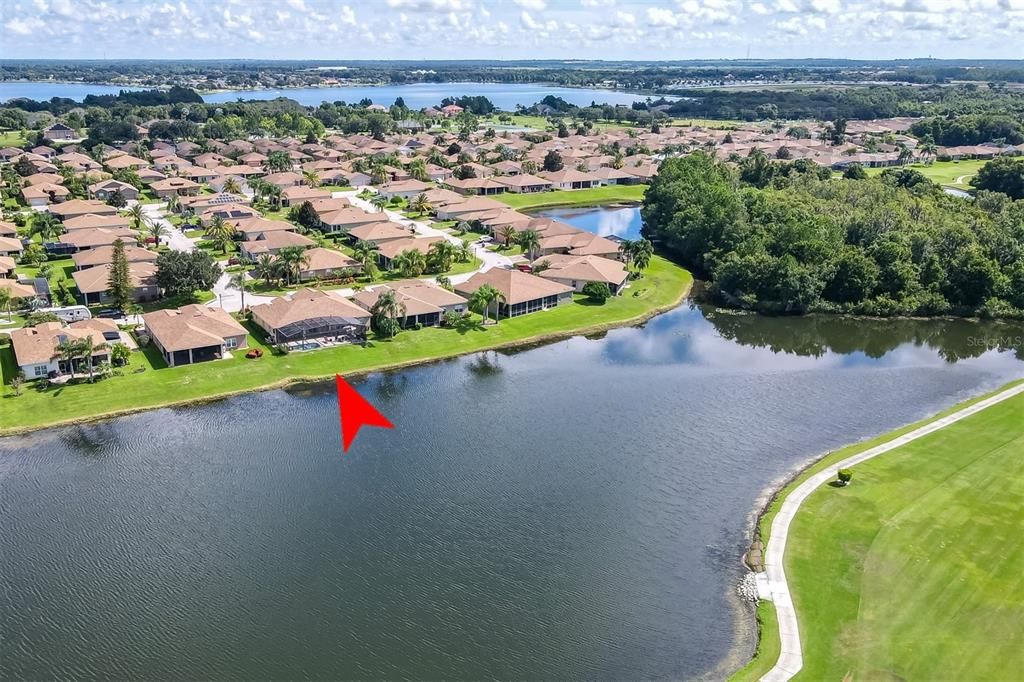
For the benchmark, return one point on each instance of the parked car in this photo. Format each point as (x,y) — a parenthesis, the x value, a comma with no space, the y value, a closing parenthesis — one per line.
(109,314)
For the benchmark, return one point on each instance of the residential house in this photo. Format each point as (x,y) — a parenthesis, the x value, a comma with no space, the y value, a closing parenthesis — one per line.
(569,178)
(105,189)
(294,196)
(406,189)
(94,282)
(59,131)
(252,228)
(44,194)
(36,349)
(11,247)
(326,263)
(523,293)
(91,220)
(7,266)
(194,333)
(523,183)
(388,250)
(78,207)
(310,314)
(104,255)
(425,303)
(379,232)
(578,271)
(93,237)
(272,242)
(169,187)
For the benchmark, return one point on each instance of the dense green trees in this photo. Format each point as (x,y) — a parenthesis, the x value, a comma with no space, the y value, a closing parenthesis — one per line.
(1004,174)
(894,245)
(183,273)
(971,129)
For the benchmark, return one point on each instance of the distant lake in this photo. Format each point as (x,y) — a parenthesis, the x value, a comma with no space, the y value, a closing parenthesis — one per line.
(622,222)
(416,95)
(572,511)
(43,91)
(419,95)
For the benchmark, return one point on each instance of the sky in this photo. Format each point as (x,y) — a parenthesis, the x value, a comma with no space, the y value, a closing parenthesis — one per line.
(510,29)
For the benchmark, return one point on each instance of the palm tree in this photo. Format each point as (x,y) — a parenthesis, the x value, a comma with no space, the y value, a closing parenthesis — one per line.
(156,231)
(312,178)
(410,263)
(221,232)
(5,302)
(231,186)
(137,215)
(385,313)
(529,240)
(483,298)
(464,253)
(378,176)
(508,235)
(365,252)
(274,192)
(292,258)
(379,202)
(239,281)
(421,204)
(46,226)
(67,350)
(441,255)
(266,268)
(87,350)
(626,247)
(642,252)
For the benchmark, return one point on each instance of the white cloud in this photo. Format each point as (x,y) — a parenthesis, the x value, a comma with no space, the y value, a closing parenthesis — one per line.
(597,3)
(347,16)
(659,16)
(298,5)
(535,5)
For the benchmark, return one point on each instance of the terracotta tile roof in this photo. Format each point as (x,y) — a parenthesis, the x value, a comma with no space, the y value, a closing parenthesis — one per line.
(36,345)
(97,279)
(307,304)
(193,326)
(515,286)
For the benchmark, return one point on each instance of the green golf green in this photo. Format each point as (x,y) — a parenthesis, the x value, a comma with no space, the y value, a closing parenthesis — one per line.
(916,570)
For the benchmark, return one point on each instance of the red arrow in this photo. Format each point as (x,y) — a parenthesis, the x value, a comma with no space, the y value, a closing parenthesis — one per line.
(355,412)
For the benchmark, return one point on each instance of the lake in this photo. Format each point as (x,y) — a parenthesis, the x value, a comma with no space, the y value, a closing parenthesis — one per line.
(416,95)
(42,91)
(577,510)
(622,222)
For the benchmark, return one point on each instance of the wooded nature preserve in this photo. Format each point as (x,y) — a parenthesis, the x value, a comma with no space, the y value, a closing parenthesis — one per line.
(773,238)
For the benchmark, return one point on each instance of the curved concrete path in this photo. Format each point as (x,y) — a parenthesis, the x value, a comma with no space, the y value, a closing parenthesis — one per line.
(790,657)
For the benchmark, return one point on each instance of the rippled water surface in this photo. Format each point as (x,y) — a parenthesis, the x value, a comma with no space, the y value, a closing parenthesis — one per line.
(576,510)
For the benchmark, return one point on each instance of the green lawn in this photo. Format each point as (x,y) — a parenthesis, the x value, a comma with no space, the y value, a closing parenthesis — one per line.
(13,138)
(768,645)
(609,194)
(662,287)
(945,173)
(916,570)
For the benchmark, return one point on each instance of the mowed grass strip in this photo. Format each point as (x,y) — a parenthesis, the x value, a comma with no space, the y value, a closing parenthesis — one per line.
(663,286)
(916,570)
(609,194)
(945,173)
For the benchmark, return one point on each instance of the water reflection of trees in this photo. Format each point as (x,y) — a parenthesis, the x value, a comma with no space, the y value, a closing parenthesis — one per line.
(815,335)
(485,364)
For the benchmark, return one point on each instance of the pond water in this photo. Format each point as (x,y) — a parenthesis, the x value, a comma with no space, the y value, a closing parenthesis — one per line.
(622,222)
(416,95)
(573,511)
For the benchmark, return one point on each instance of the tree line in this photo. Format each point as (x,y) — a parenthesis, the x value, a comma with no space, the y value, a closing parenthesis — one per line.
(892,245)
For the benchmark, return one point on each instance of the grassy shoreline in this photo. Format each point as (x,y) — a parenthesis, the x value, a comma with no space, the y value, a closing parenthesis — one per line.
(663,287)
(609,195)
(768,644)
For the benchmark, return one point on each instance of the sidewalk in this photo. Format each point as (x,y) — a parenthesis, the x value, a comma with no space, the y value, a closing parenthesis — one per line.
(790,656)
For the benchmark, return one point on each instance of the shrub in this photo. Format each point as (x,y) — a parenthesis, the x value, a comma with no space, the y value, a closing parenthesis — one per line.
(844,476)
(597,291)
